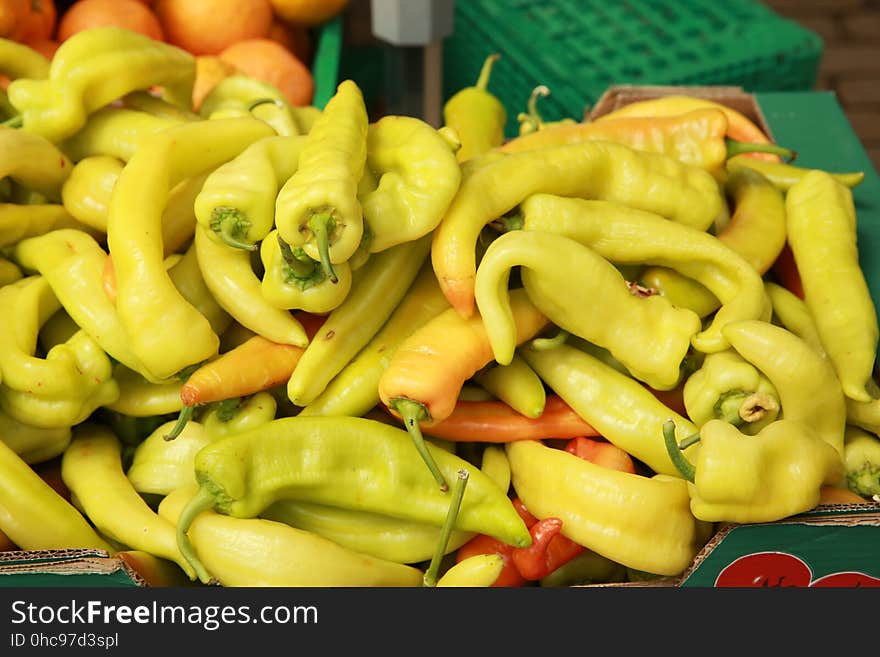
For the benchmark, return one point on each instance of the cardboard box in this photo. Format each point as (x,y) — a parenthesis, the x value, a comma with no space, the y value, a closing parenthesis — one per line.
(78,568)
(832,545)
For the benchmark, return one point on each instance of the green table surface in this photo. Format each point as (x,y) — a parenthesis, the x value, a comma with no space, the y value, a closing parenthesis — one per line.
(814,124)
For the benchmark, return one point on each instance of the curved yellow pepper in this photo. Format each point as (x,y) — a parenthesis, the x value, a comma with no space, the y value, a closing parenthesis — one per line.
(317,208)
(581,292)
(641,522)
(93,68)
(258,552)
(165,331)
(92,469)
(821,225)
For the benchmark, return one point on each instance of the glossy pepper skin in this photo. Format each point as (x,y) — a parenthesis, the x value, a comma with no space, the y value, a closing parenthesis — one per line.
(355,389)
(417,176)
(774,474)
(697,137)
(317,208)
(19,60)
(792,313)
(498,183)
(72,262)
(33,444)
(93,68)
(65,386)
(243,95)
(621,409)
(237,200)
(739,126)
(638,237)
(160,466)
(729,388)
(35,516)
(86,192)
(759,209)
(34,162)
(861,458)
(187,277)
(293,280)
(350,448)
(114,131)
(326,461)
(808,390)
(476,115)
(141,398)
(821,225)
(165,331)
(92,469)
(421,384)
(377,289)
(231,279)
(479,570)
(640,522)
(19,221)
(515,384)
(379,535)
(583,293)
(256,552)
(784,176)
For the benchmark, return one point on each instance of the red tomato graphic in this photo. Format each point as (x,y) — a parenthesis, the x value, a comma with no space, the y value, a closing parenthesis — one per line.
(765,569)
(848,579)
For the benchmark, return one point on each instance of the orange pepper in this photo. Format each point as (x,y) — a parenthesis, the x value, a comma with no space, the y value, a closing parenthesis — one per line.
(739,126)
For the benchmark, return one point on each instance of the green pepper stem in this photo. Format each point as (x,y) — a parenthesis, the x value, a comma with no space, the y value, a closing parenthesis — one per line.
(509,222)
(13,122)
(185,416)
(229,223)
(544,344)
(412,412)
(263,101)
(735,147)
(728,405)
(679,460)
(458,486)
(486,71)
(531,116)
(201,501)
(319,225)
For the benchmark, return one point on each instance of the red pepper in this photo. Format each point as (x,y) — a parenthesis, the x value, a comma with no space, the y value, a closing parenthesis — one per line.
(601,453)
(550,549)
(483,544)
(496,422)
(786,271)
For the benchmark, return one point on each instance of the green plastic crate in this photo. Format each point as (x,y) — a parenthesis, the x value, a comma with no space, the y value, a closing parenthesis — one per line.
(325,65)
(578,48)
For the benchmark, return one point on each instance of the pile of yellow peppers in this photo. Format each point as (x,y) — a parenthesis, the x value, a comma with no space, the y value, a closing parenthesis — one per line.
(270,345)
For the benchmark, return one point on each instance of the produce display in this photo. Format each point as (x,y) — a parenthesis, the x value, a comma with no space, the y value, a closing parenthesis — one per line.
(247,341)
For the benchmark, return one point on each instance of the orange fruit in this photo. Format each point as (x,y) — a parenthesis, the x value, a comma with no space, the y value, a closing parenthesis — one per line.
(206,27)
(46,47)
(308,12)
(296,38)
(39,21)
(130,14)
(12,15)
(271,62)
(210,69)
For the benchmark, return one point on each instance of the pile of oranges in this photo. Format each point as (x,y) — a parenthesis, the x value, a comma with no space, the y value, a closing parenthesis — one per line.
(266,39)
